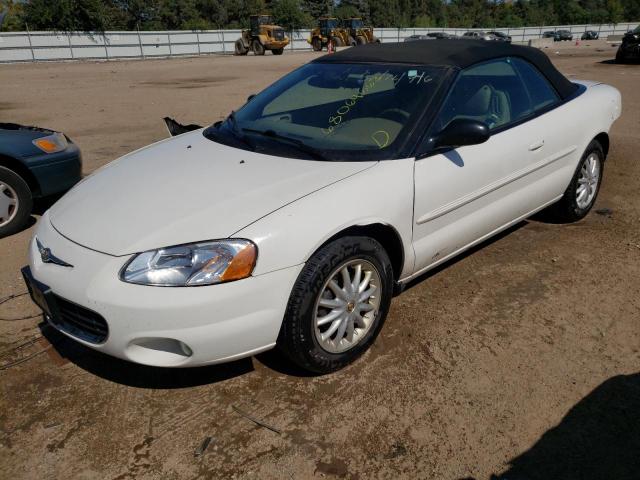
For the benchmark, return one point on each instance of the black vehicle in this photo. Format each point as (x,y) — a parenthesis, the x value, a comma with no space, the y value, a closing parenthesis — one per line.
(500,36)
(549,34)
(34,162)
(562,35)
(629,49)
(590,35)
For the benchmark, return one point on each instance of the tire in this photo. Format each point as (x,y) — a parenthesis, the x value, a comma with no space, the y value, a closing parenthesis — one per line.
(360,40)
(15,202)
(568,209)
(240,49)
(620,56)
(337,42)
(316,44)
(257,47)
(277,51)
(299,335)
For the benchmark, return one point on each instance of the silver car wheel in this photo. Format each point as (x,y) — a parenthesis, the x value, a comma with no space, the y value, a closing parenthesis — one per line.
(8,204)
(588,181)
(347,305)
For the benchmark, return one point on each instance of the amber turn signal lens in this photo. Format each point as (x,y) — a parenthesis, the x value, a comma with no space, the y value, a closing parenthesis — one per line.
(242,264)
(46,145)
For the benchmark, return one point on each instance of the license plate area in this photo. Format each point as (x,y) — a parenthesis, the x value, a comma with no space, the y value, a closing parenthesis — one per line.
(38,291)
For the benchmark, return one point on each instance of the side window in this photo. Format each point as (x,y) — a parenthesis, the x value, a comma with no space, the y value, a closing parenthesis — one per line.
(492,92)
(542,94)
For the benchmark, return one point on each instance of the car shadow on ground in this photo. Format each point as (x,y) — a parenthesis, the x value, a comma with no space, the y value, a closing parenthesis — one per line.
(141,376)
(599,438)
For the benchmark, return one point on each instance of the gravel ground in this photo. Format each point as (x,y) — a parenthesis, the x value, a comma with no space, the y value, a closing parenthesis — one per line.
(519,360)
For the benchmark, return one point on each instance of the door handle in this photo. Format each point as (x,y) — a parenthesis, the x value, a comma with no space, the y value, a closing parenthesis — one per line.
(536,146)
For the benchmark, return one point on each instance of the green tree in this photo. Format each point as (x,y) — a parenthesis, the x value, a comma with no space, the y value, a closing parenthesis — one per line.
(616,11)
(290,15)
(67,15)
(13,15)
(318,8)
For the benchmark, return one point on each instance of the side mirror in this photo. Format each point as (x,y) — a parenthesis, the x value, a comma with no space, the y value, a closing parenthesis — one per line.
(461,132)
(250,97)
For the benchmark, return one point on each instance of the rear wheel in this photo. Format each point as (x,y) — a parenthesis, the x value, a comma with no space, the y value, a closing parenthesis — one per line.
(338,304)
(277,51)
(581,193)
(620,56)
(15,202)
(360,40)
(316,44)
(240,49)
(257,47)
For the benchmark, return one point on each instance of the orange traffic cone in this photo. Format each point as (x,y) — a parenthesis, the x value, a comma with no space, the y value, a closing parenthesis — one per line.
(330,47)
(577,42)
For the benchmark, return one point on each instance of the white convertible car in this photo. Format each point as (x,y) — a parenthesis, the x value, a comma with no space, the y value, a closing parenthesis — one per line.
(293,222)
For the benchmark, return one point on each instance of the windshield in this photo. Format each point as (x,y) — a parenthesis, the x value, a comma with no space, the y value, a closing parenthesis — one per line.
(341,111)
(265,20)
(332,23)
(356,23)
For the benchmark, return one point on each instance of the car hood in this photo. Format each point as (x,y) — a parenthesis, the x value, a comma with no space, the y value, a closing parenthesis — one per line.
(185,189)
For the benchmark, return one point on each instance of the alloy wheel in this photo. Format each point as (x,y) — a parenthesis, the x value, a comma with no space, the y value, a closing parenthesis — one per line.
(8,204)
(347,305)
(588,181)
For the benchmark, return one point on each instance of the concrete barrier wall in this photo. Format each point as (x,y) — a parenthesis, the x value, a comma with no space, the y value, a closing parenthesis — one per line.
(50,46)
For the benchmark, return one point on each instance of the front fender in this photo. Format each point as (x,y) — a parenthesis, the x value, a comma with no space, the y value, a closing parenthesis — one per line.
(381,194)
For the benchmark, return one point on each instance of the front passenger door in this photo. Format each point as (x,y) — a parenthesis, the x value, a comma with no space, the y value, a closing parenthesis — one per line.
(466,194)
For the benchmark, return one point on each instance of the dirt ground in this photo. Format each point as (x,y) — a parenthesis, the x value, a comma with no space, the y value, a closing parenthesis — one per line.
(519,360)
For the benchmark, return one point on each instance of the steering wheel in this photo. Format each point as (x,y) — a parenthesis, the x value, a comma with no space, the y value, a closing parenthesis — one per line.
(395,114)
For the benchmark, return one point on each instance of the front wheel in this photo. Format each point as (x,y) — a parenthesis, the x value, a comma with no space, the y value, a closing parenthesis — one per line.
(360,40)
(338,304)
(581,193)
(277,51)
(316,44)
(15,202)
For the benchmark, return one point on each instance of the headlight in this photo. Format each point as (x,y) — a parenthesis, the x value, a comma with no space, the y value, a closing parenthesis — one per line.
(54,143)
(203,263)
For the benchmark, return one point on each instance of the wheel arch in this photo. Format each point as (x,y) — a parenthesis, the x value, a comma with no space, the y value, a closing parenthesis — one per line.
(603,139)
(19,169)
(385,234)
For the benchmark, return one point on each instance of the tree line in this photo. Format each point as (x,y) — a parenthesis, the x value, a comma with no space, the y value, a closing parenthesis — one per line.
(101,15)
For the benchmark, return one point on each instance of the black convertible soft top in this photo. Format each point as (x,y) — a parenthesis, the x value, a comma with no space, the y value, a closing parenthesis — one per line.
(457,53)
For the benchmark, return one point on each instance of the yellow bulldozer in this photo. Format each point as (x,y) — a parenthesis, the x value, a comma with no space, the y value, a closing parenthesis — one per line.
(328,31)
(357,31)
(262,35)
(349,32)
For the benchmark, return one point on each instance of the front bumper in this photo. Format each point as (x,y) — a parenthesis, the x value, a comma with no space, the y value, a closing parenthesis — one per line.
(56,172)
(151,325)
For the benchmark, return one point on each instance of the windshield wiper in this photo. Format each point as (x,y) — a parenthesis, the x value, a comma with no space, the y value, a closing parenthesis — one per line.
(236,134)
(299,144)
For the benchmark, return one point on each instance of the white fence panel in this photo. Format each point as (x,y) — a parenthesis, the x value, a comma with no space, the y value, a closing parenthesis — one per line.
(36,46)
